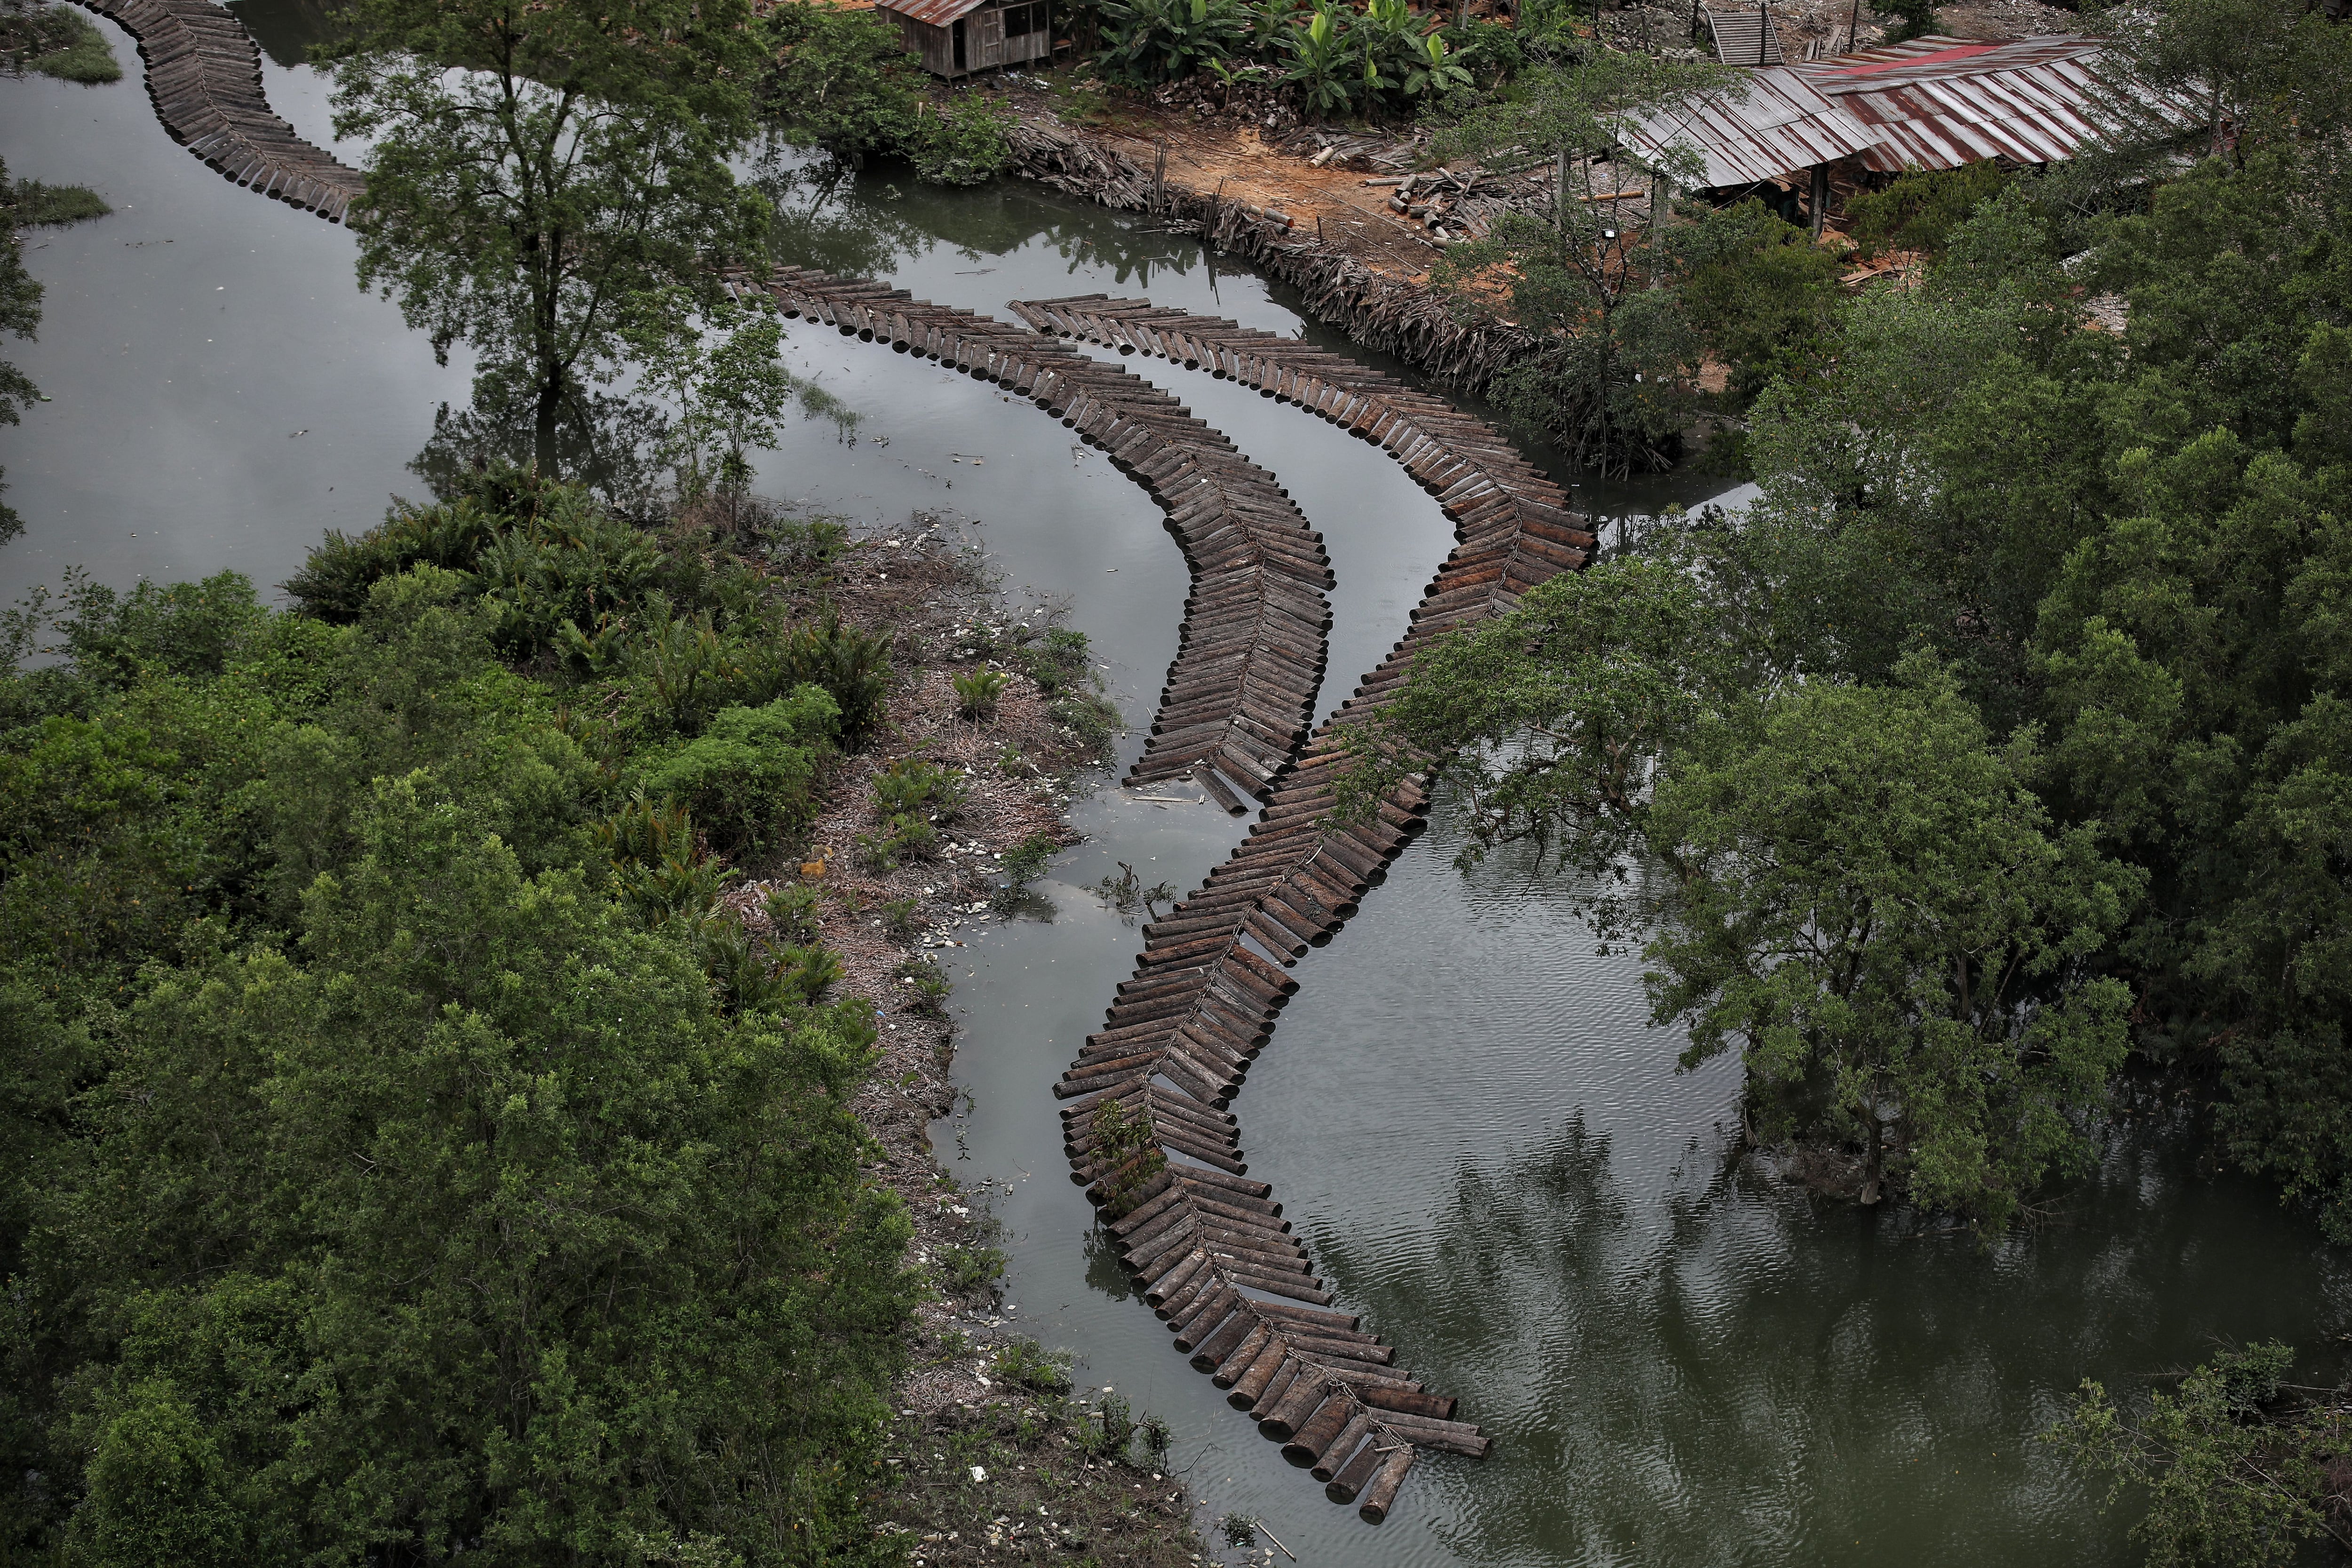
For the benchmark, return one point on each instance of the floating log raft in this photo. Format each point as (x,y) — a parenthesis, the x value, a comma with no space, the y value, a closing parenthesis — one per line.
(1240,692)
(1147,1129)
(203,73)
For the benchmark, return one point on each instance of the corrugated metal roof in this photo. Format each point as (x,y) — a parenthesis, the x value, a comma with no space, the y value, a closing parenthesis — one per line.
(1937,103)
(1930,103)
(937,12)
(1745,38)
(1769,123)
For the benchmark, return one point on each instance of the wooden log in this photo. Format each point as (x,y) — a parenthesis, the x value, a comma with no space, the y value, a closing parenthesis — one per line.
(1252,1384)
(1351,1477)
(1380,1494)
(1228,1337)
(1241,1356)
(1428,1406)
(1307,1392)
(1320,1430)
(1341,1448)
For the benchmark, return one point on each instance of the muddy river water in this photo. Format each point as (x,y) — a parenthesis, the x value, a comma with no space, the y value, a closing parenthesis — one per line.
(1464,1110)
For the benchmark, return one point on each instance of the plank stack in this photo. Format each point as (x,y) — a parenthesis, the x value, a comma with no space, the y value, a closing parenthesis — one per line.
(204,72)
(1147,1127)
(1240,692)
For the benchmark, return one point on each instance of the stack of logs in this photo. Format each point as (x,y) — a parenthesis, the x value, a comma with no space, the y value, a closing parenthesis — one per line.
(1251,653)
(1452,205)
(203,73)
(1147,1128)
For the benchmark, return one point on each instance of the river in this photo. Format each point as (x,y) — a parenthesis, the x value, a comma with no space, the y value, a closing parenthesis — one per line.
(1464,1111)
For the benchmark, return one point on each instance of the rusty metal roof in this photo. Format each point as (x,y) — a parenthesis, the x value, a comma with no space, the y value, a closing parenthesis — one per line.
(937,12)
(1940,102)
(1769,123)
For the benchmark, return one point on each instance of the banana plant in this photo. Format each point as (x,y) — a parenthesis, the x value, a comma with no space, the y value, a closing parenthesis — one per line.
(1320,52)
(1434,73)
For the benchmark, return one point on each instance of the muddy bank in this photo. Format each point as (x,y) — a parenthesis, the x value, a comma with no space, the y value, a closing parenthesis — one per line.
(1324,231)
(995,1456)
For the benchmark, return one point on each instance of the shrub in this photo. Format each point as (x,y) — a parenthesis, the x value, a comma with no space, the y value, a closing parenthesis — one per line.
(902,918)
(1059,661)
(904,836)
(658,866)
(792,915)
(969,143)
(853,667)
(913,785)
(977,691)
(1027,1364)
(927,987)
(751,775)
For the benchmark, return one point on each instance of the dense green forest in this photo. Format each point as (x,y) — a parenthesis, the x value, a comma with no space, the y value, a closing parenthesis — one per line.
(402,1159)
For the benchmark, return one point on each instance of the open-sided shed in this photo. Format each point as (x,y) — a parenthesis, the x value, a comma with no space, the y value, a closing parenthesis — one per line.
(956,38)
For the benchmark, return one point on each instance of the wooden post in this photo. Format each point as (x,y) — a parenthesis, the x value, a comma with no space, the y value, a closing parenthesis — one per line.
(1821,196)
(1560,192)
(1159,183)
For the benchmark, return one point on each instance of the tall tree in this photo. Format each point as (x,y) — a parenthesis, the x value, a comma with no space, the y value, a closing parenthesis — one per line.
(538,166)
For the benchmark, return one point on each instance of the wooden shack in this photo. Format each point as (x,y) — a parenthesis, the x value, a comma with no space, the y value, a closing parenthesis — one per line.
(956,38)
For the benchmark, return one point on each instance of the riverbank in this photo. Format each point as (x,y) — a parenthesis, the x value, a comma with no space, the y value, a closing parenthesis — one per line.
(995,1456)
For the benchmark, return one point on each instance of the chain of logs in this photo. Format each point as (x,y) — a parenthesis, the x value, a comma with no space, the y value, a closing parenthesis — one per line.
(1146,1126)
(1240,692)
(204,72)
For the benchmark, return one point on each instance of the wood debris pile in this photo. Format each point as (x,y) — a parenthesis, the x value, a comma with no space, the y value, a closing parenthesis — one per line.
(1455,205)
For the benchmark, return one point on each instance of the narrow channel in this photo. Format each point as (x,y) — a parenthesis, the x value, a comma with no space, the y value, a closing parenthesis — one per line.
(1464,1111)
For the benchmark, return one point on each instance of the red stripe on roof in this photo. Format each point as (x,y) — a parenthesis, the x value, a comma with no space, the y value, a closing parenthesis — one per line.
(1912,62)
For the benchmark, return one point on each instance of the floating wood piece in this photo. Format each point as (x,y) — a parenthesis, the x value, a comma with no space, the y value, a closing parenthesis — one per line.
(203,75)
(1237,1288)
(1251,653)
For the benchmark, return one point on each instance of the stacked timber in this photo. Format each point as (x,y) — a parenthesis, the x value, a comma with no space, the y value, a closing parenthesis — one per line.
(1147,1127)
(203,73)
(1250,658)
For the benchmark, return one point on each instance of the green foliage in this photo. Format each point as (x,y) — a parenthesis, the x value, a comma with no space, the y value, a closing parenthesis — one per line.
(1758,294)
(1057,662)
(1614,376)
(1922,207)
(32,204)
(2233,1474)
(579,166)
(845,82)
(967,142)
(1124,1141)
(842,80)
(750,777)
(925,986)
(965,1270)
(1851,886)
(1028,860)
(977,691)
(926,789)
(1871,905)
(902,918)
(793,913)
(373,1178)
(55,40)
(725,384)
(853,667)
(1025,1364)
(1147,42)
(904,836)
(658,866)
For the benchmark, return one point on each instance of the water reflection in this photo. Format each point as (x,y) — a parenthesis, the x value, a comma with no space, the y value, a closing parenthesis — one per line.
(607,440)
(1464,1109)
